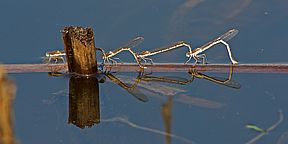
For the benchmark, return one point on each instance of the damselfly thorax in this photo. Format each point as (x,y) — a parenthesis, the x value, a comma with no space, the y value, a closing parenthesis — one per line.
(54,56)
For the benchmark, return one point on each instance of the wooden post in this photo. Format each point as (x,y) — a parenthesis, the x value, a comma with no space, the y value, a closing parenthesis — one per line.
(80,50)
(7,93)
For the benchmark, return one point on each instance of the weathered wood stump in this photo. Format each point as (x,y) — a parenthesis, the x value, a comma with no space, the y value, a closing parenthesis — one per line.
(83,87)
(80,50)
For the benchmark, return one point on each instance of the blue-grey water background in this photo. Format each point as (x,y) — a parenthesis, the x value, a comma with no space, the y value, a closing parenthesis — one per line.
(30,28)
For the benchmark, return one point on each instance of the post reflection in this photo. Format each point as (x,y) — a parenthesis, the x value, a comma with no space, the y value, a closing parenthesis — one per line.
(84,109)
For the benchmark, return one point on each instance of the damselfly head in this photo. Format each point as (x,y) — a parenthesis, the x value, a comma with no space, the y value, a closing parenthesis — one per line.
(188,54)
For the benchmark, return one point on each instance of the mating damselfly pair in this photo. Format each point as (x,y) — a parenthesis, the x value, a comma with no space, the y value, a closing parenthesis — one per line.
(197,54)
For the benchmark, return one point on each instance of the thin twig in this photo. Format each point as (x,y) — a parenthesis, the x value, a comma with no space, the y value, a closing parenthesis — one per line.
(156,67)
(134,125)
(24,68)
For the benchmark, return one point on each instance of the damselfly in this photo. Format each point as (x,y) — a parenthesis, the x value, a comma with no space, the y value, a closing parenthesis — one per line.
(55,56)
(222,39)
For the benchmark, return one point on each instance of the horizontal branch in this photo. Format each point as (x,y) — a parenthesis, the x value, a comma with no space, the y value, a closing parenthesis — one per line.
(156,67)
(26,68)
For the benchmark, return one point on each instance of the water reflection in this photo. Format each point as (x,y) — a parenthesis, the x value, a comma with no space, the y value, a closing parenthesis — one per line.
(199,102)
(132,89)
(146,84)
(84,109)
(125,120)
(219,80)
(159,86)
(156,86)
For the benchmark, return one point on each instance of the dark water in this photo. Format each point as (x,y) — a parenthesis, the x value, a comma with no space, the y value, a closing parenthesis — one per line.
(200,112)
